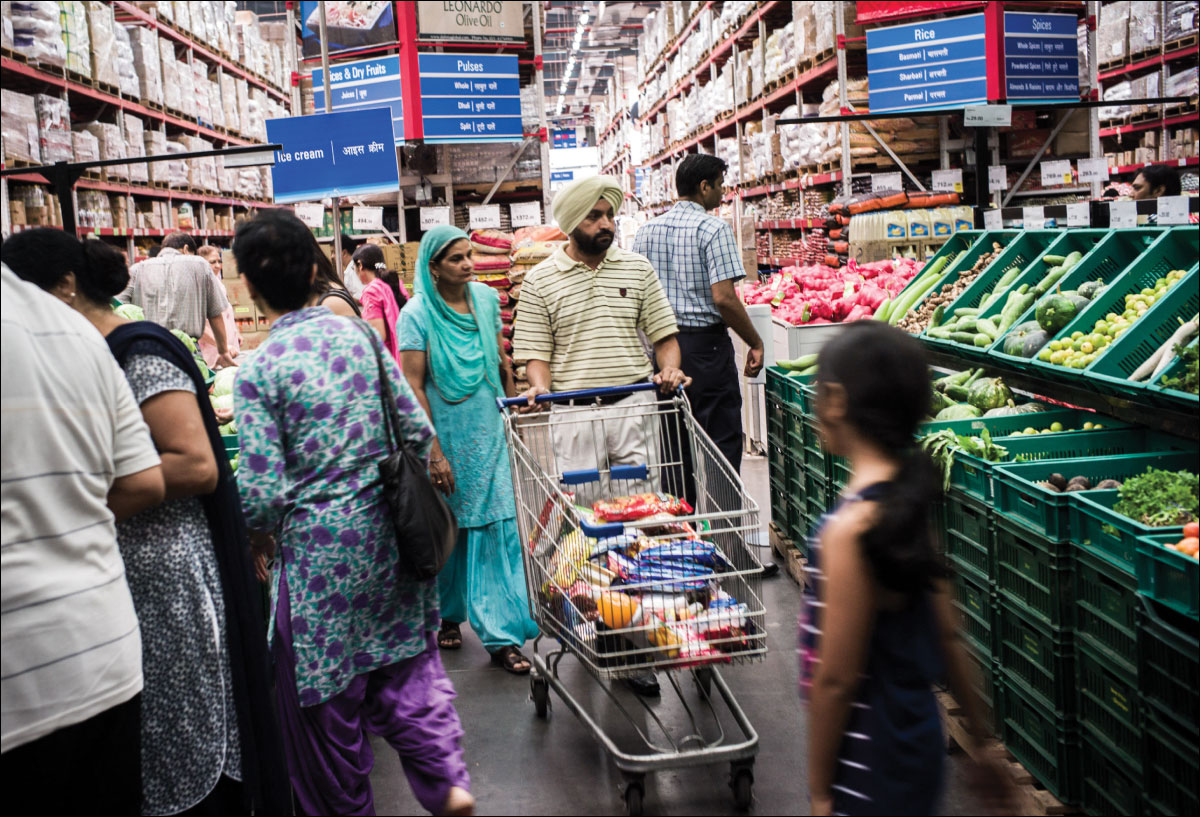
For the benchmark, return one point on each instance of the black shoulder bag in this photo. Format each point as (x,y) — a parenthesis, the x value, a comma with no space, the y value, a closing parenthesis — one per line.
(425,526)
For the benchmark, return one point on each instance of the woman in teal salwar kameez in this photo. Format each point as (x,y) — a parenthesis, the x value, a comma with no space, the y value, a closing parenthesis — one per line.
(450,345)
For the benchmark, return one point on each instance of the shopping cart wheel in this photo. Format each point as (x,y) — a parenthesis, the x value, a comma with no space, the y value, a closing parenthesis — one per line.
(635,795)
(742,783)
(539,690)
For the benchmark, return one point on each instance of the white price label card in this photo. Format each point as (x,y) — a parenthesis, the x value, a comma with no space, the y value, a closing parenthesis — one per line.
(997,178)
(367,218)
(1173,210)
(313,215)
(1079,214)
(1033,218)
(949,181)
(1055,172)
(525,214)
(1093,170)
(1122,214)
(484,216)
(886,181)
(987,116)
(993,220)
(433,216)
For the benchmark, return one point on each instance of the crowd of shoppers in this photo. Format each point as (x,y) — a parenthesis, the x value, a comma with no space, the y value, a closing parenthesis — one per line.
(135,661)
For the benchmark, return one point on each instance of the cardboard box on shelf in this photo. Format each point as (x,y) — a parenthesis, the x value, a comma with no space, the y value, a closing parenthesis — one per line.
(238,294)
(229,270)
(16,212)
(264,324)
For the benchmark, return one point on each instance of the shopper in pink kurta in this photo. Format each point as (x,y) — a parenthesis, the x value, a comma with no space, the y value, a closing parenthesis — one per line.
(208,344)
(383,294)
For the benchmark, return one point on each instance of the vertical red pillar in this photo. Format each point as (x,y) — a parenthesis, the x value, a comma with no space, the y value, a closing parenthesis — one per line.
(994,33)
(410,70)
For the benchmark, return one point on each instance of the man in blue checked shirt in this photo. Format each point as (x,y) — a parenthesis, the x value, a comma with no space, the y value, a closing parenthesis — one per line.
(697,261)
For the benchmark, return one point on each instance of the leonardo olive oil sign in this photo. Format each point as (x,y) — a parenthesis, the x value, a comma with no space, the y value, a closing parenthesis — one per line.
(471,21)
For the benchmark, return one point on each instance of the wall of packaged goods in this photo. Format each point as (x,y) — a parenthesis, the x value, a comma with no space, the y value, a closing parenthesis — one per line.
(85,81)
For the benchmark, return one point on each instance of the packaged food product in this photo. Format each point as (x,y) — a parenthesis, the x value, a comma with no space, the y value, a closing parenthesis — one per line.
(639,506)
(492,242)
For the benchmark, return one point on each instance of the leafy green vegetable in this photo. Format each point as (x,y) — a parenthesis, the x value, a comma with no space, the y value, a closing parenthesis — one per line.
(1160,498)
(941,446)
(185,339)
(131,312)
(1189,380)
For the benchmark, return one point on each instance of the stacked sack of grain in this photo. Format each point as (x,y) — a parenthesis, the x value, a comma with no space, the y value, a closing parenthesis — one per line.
(493,262)
(531,246)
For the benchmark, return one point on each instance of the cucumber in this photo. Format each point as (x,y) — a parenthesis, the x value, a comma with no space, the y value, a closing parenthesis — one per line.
(966,325)
(1006,279)
(800,363)
(967,311)
(975,375)
(967,338)
(939,333)
(958,394)
(938,314)
(1053,260)
(983,341)
(987,327)
(881,314)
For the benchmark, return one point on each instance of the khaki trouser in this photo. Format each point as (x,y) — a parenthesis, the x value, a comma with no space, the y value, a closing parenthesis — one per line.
(622,433)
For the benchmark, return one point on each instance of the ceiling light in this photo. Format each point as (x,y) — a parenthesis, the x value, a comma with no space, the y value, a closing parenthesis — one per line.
(600,10)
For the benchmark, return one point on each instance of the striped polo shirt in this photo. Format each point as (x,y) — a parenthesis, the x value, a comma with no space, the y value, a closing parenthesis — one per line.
(585,322)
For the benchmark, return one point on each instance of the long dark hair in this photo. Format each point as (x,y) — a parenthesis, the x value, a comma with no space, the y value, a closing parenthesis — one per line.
(886,379)
(44,256)
(371,257)
(327,276)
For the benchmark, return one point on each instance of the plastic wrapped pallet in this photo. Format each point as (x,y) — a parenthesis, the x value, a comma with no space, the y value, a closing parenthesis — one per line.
(169,67)
(165,9)
(1116,93)
(100,31)
(135,145)
(155,143)
(202,173)
(147,62)
(1145,26)
(54,128)
(1182,83)
(183,14)
(243,103)
(6,25)
(85,147)
(37,33)
(75,37)
(112,146)
(187,89)
(229,102)
(18,120)
(177,169)
(1180,19)
(127,78)
(202,22)
(203,111)
(1113,33)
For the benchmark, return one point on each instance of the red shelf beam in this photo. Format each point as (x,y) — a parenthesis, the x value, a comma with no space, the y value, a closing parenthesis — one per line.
(661,59)
(799,183)
(1186,162)
(1166,122)
(154,192)
(1149,62)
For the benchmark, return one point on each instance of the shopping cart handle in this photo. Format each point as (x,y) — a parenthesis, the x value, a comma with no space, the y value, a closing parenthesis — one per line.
(579,394)
(601,530)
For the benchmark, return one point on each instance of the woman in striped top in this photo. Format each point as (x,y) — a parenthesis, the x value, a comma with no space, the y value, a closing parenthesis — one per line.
(878,630)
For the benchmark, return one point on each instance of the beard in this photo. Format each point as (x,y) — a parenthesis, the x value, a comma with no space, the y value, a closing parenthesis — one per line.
(596,244)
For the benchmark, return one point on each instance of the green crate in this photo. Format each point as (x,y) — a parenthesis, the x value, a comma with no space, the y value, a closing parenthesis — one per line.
(1034,574)
(777,460)
(975,601)
(794,528)
(1106,608)
(1042,657)
(998,427)
(969,535)
(1023,252)
(779,499)
(1108,786)
(1044,739)
(967,247)
(1017,496)
(983,680)
(1169,666)
(231,444)
(952,249)
(1175,249)
(1109,703)
(811,453)
(1115,536)
(1104,263)
(1173,397)
(1170,578)
(1170,767)
(839,470)
(776,386)
(1109,373)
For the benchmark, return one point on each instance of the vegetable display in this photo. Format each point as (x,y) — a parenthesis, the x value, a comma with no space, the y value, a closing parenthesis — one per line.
(1060,484)
(817,294)
(1189,380)
(941,445)
(1162,358)
(131,312)
(1189,545)
(1160,498)
(1079,349)
(915,319)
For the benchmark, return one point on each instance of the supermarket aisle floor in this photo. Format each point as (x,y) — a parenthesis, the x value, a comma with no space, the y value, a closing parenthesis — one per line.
(522,765)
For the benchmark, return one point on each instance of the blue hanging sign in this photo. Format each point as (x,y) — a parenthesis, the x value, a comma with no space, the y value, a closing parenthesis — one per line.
(927,66)
(351,153)
(363,84)
(1041,56)
(565,138)
(470,98)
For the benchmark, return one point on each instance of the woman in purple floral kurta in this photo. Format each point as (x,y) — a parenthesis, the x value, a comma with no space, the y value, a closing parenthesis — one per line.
(353,639)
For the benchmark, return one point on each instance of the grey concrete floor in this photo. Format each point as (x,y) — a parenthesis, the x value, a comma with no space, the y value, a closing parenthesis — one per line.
(520,764)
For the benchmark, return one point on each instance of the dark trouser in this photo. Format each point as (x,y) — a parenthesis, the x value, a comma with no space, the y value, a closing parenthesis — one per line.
(715,395)
(93,767)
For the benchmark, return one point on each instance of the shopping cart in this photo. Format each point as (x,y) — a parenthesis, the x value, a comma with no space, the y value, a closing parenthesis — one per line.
(600,590)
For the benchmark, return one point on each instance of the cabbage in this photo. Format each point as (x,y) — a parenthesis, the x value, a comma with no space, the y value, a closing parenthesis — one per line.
(229,428)
(131,312)
(222,402)
(223,384)
(184,339)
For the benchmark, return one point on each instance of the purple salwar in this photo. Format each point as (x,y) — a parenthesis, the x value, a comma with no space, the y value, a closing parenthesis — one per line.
(410,704)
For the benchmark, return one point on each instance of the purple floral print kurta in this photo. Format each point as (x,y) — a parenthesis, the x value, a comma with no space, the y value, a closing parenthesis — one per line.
(312,434)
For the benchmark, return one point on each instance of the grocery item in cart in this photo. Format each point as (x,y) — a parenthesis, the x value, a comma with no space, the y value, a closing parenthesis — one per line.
(639,507)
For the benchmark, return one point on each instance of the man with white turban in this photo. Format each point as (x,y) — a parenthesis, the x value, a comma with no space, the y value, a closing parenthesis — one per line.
(577,327)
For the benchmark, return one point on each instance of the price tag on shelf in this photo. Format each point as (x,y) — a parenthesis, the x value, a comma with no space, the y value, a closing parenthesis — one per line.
(433,216)
(484,216)
(1055,172)
(313,215)
(1079,214)
(993,219)
(997,178)
(1093,170)
(886,181)
(368,219)
(1122,214)
(1173,210)
(987,116)
(525,214)
(1033,218)
(949,181)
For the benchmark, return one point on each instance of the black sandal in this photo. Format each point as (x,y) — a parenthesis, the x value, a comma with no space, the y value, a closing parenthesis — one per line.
(450,636)
(510,658)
